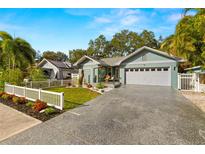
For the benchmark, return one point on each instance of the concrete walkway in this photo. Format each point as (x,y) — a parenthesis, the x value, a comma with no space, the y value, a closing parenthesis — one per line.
(13,122)
(127,115)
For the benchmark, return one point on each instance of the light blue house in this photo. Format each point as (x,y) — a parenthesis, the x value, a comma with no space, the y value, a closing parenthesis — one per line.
(145,66)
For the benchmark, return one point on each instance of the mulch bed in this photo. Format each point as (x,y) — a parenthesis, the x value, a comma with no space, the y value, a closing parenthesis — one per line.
(29,111)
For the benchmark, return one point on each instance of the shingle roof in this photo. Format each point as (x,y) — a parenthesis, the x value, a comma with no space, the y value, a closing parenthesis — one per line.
(115,61)
(60,64)
(152,50)
(99,61)
(111,61)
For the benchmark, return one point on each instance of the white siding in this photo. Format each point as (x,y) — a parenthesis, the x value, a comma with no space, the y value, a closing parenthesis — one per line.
(50,66)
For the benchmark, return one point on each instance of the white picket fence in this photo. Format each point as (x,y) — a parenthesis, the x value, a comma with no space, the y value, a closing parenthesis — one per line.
(75,75)
(51,98)
(189,82)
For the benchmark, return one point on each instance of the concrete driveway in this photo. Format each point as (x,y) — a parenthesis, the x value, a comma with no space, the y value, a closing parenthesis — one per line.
(13,122)
(127,115)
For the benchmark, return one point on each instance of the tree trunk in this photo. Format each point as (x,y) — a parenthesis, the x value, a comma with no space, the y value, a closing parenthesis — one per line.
(81,78)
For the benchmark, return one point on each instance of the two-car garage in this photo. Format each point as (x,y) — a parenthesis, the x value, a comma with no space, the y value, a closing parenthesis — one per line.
(147,66)
(148,76)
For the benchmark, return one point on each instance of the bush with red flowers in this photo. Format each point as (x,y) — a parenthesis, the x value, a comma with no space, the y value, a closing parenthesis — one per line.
(39,105)
(2,93)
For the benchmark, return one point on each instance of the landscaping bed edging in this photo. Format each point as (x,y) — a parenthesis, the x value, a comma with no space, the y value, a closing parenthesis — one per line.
(29,111)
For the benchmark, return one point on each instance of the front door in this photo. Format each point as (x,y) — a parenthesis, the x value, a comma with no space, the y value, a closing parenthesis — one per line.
(87,73)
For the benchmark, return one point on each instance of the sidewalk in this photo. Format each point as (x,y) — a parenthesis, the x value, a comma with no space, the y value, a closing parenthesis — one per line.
(13,122)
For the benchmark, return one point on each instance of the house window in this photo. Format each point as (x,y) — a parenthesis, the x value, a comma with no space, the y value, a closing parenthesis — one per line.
(141,69)
(147,69)
(136,69)
(159,69)
(131,70)
(165,69)
(152,69)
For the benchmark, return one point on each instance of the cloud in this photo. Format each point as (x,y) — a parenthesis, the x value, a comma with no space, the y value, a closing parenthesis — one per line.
(116,20)
(102,20)
(5,26)
(129,20)
(126,12)
(160,21)
(91,12)
(175,17)
(192,13)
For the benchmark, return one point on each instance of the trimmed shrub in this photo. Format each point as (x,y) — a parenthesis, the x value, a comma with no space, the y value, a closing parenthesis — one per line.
(39,105)
(7,96)
(36,74)
(100,85)
(16,99)
(22,100)
(29,104)
(50,110)
(89,85)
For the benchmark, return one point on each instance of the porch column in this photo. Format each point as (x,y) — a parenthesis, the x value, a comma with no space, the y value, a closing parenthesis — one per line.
(122,75)
(112,72)
(97,75)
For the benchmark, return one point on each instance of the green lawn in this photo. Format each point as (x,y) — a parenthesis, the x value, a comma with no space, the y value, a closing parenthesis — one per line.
(74,97)
(1,86)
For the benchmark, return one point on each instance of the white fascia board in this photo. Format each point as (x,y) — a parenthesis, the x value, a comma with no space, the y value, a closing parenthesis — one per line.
(152,62)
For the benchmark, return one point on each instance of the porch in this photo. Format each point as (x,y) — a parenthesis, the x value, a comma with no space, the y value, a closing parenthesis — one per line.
(108,74)
(49,73)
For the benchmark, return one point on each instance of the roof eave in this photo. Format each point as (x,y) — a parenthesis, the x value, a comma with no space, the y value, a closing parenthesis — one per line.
(182,61)
(150,49)
(48,62)
(83,58)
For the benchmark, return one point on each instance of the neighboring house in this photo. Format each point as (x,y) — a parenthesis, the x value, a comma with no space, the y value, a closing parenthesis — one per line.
(195,69)
(145,66)
(56,69)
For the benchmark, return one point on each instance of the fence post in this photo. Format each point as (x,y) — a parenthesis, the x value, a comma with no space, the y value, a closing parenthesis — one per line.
(49,83)
(195,82)
(24,91)
(61,82)
(179,81)
(39,93)
(198,83)
(31,84)
(62,100)
(13,89)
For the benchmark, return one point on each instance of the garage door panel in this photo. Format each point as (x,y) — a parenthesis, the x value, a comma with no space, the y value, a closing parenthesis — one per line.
(149,77)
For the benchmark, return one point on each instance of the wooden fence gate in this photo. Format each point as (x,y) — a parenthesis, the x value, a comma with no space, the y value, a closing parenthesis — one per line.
(188,81)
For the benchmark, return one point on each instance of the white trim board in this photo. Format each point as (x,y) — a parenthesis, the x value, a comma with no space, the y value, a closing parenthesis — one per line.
(151,62)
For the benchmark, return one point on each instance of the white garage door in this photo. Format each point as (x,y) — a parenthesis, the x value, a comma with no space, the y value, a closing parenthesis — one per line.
(149,76)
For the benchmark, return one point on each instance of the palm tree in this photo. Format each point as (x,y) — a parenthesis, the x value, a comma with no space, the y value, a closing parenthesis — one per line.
(169,45)
(188,41)
(15,51)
